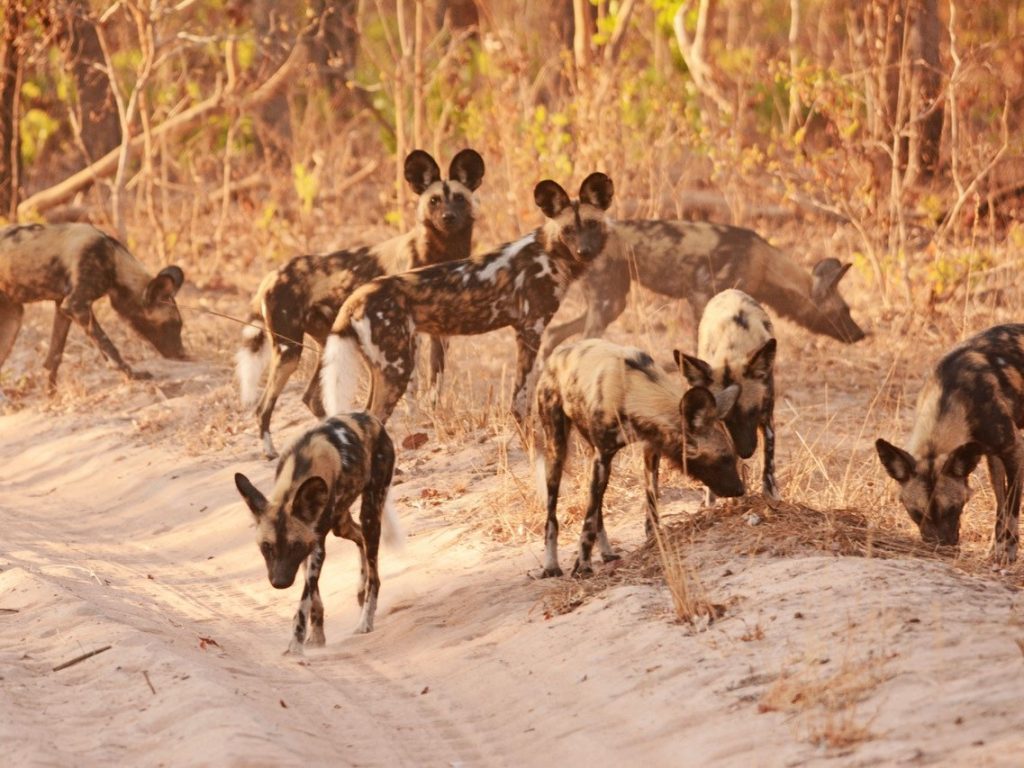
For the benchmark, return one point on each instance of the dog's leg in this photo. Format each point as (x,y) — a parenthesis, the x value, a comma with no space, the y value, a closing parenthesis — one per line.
(10,323)
(769,485)
(556,434)
(80,310)
(438,347)
(315,638)
(313,396)
(58,338)
(652,461)
(598,483)
(347,528)
(1008,507)
(284,359)
(528,343)
(311,566)
(369,521)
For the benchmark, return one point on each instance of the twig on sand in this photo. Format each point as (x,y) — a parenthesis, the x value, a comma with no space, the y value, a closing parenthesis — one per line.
(83,657)
(5,611)
(145,674)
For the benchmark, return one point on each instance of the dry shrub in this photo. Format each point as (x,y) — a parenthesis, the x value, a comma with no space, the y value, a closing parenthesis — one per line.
(689,597)
(826,700)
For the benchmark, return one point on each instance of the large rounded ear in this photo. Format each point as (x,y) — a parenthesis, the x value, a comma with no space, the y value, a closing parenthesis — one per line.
(164,286)
(897,462)
(827,274)
(696,371)
(726,400)
(551,198)
(597,190)
(699,409)
(257,501)
(761,362)
(421,170)
(310,500)
(467,168)
(962,461)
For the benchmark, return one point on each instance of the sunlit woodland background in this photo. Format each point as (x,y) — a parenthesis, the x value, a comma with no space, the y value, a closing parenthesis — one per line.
(216,132)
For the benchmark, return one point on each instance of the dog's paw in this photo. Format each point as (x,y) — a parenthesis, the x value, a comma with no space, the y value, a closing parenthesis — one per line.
(316,638)
(582,570)
(295,649)
(1004,552)
(551,571)
(610,557)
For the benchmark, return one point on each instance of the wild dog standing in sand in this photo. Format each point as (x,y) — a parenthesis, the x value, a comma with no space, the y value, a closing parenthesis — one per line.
(73,265)
(971,406)
(615,396)
(736,346)
(304,295)
(520,285)
(317,480)
(696,260)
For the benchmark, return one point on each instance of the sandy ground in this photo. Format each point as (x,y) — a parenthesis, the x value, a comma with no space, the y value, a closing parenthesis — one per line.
(122,528)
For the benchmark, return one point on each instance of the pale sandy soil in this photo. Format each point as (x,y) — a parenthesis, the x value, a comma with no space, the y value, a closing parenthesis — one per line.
(121,526)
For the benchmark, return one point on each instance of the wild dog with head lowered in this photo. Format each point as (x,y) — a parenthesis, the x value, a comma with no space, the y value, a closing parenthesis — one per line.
(317,480)
(971,406)
(73,265)
(304,295)
(615,396)
(736,346)
(696,260)
(520,285)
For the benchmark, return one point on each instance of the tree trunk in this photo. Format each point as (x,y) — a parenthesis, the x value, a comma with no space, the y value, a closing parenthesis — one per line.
(926,113)
(333,46)
(10,71)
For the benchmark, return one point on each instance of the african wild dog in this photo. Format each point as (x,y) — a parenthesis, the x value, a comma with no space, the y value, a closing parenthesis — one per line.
(696,260)
(73,265)
(971,406)
(519,285)
(736,345)
(304,295)
(617,395)
(317,480)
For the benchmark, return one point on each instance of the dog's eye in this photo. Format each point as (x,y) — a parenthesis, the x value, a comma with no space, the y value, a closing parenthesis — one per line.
(435,200)
(265,548)
(458,198)
(298,546)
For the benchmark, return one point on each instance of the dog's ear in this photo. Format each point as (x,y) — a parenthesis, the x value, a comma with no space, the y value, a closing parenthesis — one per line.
(551,198)
(597,190)
(421,170)
(762,362)
(699,409)
(963,460)
(467,168)
(697,372)
(898,463)
(164,286)
(257,501)
(310,500)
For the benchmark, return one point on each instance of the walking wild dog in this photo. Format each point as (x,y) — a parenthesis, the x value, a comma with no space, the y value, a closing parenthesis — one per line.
(696,260)
(617,395)
(73,265)
(520,285)
(971,406)
(304,295)
(736,346)
(317,480)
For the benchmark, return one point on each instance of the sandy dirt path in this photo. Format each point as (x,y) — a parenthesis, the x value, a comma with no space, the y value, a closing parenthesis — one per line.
(109,539)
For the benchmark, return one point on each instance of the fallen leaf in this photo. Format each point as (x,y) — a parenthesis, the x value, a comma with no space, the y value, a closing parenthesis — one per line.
(205,641)
(415,440)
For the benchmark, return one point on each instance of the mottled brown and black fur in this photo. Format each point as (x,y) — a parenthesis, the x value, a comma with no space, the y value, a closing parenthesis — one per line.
(615,396)
(736,346)
(971,406)
(73,265)
(304,295)
(696,260)
(317,480)
(520,285)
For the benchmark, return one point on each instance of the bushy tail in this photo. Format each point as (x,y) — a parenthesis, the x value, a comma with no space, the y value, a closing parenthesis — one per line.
(251,360)
(391,527)
(339,377)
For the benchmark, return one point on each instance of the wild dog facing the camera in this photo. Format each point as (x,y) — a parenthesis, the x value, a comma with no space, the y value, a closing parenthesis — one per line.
(316,482)
(73,265)
(304,295)
(736,346)
(520,285)
(971,406)
(615,396)
(694,261)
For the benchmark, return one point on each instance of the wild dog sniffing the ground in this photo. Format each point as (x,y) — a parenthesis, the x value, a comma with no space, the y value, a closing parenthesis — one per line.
(304,295)
(73,265)
(317,480)
(736,346)
(971,406)
(615,396)
(696,260)
(520,285)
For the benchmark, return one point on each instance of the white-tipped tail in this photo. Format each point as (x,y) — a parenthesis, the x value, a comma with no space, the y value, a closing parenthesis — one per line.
(391,527)
(540,474)
(250,362)
(339,377)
